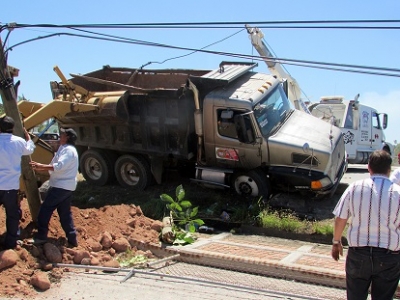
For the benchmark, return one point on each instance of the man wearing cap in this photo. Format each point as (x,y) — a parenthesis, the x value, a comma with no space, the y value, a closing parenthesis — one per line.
(12,148)
(63,170)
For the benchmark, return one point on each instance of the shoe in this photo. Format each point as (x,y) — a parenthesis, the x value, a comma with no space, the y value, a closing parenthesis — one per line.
(36,241)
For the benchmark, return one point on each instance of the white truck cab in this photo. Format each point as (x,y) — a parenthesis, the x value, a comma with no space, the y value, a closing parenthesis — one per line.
(361,125)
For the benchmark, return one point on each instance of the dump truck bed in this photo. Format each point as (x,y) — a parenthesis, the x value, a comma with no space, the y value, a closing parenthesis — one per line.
(153,115)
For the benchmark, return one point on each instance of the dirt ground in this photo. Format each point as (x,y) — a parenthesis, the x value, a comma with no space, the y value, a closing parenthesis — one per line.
(103,233)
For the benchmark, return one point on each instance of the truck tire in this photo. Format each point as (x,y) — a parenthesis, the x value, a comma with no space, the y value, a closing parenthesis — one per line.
(133,172)
(96,167)
(252,184)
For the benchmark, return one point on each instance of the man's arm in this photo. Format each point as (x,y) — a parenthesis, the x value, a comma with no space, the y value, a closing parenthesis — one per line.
(395,177)
(337,248)
(41,167)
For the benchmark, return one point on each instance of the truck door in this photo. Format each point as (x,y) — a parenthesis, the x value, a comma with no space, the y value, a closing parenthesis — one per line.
(370,128)
(227,150)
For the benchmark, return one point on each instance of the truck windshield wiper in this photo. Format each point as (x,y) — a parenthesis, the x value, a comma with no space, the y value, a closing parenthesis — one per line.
(285,115)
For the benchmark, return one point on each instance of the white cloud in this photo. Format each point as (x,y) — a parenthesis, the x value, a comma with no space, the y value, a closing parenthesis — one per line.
(386,103)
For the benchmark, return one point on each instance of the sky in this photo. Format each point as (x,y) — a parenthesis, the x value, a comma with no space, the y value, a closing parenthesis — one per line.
(76,55)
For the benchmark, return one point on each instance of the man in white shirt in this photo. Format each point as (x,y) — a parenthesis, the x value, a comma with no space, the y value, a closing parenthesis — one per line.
(372,207)
(395,176)
(63,170)
(12,148)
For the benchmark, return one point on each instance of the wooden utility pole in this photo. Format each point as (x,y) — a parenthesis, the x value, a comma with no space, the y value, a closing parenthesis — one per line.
(9,98)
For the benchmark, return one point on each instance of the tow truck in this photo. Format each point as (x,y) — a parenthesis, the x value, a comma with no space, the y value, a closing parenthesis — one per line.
(362,126)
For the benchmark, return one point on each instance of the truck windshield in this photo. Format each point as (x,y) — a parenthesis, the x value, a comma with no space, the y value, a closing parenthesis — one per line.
(272,111)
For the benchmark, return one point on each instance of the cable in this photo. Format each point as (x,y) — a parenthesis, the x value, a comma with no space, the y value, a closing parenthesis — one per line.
(219,24)
(194,51)
(302,63)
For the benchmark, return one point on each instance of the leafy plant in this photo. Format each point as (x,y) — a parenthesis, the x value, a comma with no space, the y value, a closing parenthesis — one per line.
(182,212)
(183,237)
(130,259)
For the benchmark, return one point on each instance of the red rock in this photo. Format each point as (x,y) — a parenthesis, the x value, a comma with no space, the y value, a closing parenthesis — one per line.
(121,245)
(8,258)
(52,253)
(41,281)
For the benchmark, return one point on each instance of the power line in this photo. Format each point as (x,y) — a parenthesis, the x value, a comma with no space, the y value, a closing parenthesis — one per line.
(184,24)
(113,38)
(302,63)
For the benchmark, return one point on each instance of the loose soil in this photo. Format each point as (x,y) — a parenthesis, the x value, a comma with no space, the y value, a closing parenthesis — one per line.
(108,219)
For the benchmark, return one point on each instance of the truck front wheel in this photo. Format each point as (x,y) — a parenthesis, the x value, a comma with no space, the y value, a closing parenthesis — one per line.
(252,184)
(133,172)
(96,167)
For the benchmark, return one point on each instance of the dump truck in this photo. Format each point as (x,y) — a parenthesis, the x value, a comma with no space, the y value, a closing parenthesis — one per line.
(230,127)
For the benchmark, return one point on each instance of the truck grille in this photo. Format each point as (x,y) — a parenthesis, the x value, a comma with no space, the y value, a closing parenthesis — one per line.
(304,159)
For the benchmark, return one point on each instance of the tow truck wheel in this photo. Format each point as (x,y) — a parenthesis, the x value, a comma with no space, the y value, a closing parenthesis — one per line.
(252,184)
(96,167)
(133,172)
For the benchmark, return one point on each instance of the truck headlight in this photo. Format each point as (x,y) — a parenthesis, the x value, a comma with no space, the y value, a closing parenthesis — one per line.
(319,184)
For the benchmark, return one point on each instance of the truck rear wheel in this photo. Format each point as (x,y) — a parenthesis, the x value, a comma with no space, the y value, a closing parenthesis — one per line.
(133,172)
(252,184)
(96,167)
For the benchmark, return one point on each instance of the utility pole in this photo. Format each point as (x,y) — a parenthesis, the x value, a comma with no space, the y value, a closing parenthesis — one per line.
(9,97)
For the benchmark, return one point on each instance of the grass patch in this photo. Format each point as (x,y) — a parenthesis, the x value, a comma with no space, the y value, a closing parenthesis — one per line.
(282,221)
(288,221)
(323,228)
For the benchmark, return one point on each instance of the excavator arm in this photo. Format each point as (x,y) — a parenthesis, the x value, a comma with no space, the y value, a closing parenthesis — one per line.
(36,113)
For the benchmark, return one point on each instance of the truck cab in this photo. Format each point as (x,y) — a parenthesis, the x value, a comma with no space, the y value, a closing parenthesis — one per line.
(253,130)
(361,125)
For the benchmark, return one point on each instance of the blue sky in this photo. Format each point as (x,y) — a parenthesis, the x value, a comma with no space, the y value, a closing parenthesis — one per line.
(378,48)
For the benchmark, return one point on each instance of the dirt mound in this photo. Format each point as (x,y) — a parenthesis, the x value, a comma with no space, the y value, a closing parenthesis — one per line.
(103,234)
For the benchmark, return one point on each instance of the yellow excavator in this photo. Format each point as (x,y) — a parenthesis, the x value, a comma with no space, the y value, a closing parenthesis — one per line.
(34,114)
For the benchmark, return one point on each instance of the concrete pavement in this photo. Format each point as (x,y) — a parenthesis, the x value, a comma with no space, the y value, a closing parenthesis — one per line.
(221,266)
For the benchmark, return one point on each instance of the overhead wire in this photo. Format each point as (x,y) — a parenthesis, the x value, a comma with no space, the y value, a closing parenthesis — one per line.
(225,24)
(296,62)
(172,58)
(114,38)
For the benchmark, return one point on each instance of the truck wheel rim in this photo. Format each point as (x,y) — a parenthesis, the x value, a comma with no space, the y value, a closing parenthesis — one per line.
(129,174)
(245,185)
(93,168)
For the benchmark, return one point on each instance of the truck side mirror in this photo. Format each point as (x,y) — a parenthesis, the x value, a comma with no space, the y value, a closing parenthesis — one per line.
(244,129)
(385,121)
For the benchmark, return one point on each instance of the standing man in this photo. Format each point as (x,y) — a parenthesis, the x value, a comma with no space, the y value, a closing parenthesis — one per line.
(12,148)
(373,234)
(63,170)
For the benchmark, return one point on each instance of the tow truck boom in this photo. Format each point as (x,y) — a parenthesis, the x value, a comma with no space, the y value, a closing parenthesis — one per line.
(294,91)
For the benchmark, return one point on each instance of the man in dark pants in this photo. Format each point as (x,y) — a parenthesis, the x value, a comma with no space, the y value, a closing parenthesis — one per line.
(12,148)
(63,170)
(373,207)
